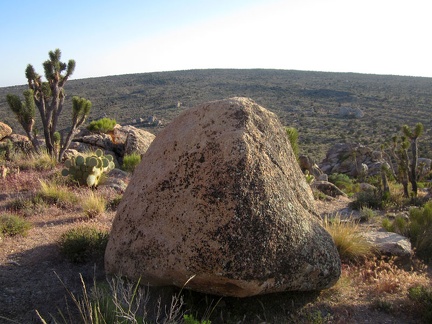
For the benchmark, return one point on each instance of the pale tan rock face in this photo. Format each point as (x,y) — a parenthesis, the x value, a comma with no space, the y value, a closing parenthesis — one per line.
(5,130)
(220,196)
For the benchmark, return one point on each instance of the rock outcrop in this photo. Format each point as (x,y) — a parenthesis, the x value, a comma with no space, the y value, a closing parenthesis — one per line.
(220,197)
(123,140)
(350,159)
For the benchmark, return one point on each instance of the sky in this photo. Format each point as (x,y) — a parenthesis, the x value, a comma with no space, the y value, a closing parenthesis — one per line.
(136,36)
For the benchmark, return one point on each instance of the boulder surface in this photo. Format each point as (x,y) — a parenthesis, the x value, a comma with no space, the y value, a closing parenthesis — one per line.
(5,130)
(220,197)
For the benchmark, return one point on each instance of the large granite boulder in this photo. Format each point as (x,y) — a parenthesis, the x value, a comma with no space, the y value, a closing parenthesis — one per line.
(5,130)
(219,196)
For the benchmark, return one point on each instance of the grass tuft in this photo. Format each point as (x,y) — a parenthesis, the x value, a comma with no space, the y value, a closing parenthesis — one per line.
(53,193)
(94,205)
(351,245)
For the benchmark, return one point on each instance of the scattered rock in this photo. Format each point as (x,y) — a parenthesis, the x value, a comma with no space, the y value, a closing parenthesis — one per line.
(138,140)
(219,197)
(5,130)
(328,188)
(350,112)
(390,244)
(307,164)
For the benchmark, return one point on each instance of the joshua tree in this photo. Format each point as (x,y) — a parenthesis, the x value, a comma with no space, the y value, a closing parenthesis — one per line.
(413,135)
(399,150)
(49,98)
(25,113)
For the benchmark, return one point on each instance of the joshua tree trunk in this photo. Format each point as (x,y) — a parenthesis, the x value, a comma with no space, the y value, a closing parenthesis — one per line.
(413,136)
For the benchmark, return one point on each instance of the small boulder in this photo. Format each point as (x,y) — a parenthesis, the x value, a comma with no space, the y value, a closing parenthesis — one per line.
(138,140)
(390,244)
(328,188)
(5,130)
(219,197)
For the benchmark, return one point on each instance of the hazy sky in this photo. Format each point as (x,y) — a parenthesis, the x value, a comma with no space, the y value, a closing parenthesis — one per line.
(132,36)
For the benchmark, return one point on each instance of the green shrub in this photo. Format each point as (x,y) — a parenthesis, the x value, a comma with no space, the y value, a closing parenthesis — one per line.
(82,244)
(420,230)
(121,302)
(369,199)
(130,161)
(103,125)
(21,204)
(422,296)
(12,225)
(113,203)
(366,214)
(387,224)
(343,182)
(190,319)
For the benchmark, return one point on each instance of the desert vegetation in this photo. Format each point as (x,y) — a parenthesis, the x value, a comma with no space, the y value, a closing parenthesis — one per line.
(311,102)
(54,227)
(371,285)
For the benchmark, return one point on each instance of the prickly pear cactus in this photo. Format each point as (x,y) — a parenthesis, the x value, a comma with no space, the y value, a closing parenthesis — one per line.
(87,170)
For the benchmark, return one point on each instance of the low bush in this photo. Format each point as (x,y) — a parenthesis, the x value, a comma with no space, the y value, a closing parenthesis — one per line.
(418,228)
(368,199)
(33,161)
(351,245)
(115,202)
(422,296)
(103,125)
(343,182)
(366,214)
(130,162)
(82,244)
(12,225)
(22,205)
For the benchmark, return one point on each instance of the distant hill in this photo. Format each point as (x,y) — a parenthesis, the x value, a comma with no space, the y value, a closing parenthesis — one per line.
(316,103)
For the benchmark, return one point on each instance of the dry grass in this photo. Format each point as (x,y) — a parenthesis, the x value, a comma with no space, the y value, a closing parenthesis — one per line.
(56,194)
(93,205)
(351,245)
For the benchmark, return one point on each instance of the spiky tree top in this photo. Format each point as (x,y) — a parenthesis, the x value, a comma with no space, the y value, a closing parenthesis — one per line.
(413,134)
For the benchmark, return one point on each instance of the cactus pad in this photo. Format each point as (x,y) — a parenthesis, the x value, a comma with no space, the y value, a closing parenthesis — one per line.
(87,170)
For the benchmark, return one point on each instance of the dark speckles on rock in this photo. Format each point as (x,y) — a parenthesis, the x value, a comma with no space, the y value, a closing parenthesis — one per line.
(219,195)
